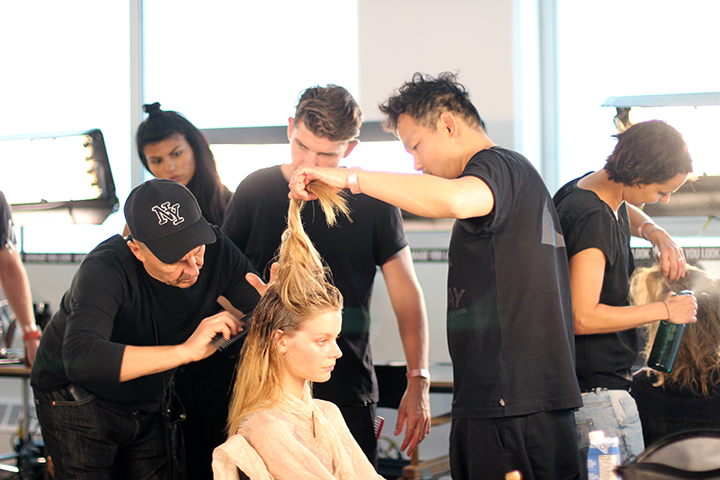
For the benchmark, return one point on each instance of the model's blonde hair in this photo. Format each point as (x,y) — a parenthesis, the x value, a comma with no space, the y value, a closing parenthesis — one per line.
(697,365)
(302,290)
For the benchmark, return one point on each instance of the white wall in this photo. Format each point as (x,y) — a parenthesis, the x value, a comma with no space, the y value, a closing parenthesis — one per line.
(472,37)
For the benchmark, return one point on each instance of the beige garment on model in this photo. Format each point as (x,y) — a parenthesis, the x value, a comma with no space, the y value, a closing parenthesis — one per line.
(295,439)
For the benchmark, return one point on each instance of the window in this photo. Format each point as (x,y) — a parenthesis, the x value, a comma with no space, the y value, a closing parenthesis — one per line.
(639,47)
(225,64)
(66,68)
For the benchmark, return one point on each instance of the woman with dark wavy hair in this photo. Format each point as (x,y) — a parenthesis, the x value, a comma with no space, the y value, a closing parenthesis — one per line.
(689,396)
(171,147)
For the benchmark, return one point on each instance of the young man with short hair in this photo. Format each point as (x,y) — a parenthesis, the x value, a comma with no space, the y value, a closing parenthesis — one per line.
(323,131)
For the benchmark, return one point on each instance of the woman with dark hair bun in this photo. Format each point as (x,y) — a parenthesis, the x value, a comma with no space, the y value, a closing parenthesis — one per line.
(171,147)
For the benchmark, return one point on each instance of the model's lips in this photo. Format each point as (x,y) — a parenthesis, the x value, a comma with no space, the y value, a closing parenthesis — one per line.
(329,368)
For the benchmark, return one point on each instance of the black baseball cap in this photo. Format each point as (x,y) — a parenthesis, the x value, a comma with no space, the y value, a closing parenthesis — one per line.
(166,217)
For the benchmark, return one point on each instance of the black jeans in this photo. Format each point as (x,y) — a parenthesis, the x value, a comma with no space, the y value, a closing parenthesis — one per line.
(94,439)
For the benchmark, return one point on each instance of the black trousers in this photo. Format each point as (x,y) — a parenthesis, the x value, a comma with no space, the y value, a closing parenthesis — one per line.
(360,420)
(542,446)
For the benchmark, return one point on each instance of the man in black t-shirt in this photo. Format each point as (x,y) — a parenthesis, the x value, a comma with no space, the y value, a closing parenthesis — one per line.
(509,317)
(138,307)
(324,131)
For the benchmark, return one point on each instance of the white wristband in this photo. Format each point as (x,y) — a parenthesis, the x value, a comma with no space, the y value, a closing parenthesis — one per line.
(353,180)
(418,372)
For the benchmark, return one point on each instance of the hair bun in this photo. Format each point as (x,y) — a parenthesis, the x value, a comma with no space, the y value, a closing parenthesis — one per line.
(152,108)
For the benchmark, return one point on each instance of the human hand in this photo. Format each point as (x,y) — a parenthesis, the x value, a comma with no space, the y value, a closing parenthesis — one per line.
(31,347)
(681,308)
(415,411)
(199,346)
(668,254)
(303,176)
(258,283)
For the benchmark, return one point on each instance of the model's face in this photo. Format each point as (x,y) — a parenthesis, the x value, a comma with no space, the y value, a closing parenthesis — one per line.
(309,150)
(641,194)
(310,353)
(424,145)
(182,274)
(171,158)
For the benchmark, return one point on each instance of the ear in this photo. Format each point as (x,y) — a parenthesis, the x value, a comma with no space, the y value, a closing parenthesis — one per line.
(291,127)
(137,251)
(280,341)
(350,147)
(448,123)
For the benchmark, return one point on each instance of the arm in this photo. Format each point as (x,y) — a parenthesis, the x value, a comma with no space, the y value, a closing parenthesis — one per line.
(424,195)
(16,288)
(409,307)
(668,253)
(587,272)
(143,361)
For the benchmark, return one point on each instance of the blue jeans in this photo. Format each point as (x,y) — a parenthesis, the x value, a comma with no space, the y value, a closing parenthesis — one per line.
(615,413)
(95,439)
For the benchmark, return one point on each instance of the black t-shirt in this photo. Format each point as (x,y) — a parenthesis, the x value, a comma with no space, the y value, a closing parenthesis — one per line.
(113,302)
(255,220)
(509,322)
(602,360)
(6,225)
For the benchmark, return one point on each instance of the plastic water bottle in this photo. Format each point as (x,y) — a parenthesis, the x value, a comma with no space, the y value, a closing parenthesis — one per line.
(666,344)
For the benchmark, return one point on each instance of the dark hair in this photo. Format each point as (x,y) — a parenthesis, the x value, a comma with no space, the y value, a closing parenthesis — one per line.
(329,112)
(648,152)
(211,194)
(425,98)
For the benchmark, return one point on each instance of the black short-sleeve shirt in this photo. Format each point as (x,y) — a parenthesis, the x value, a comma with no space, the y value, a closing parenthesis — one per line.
(255,220)
(509,321)
(6,224)
(603,360)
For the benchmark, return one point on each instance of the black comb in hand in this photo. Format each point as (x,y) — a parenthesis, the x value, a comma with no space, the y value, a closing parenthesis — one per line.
(220,343)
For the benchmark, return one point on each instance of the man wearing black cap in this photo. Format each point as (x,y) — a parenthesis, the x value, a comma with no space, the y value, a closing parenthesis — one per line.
(137,308)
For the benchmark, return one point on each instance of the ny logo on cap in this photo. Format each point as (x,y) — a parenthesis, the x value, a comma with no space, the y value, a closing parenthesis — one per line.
(167,213)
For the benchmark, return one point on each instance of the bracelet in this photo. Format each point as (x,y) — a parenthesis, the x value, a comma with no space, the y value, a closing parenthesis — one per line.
(640,228)
(418,372)
(667,308)
(32,335)
(353,180)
